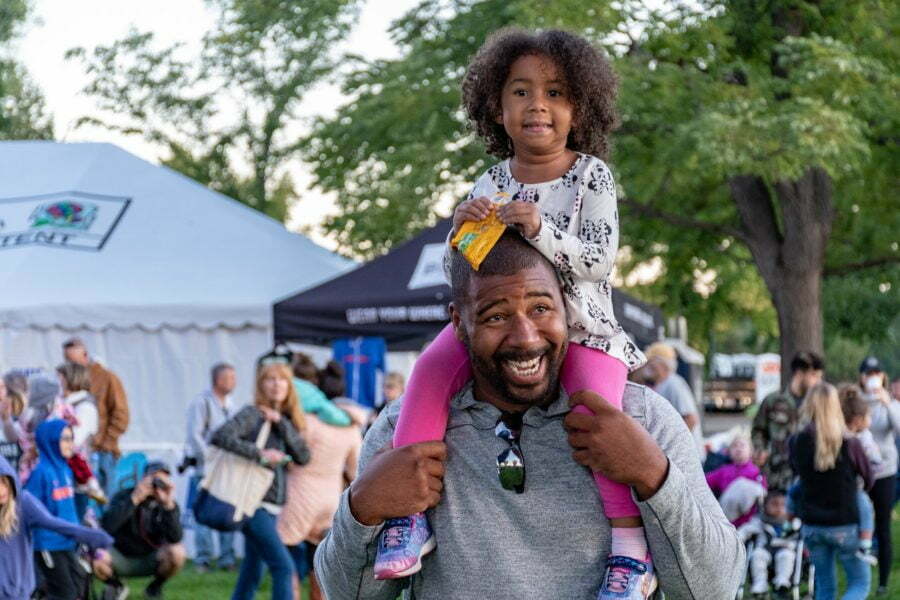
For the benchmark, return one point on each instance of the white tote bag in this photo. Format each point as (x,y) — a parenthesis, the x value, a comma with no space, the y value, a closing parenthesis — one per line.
(233,487)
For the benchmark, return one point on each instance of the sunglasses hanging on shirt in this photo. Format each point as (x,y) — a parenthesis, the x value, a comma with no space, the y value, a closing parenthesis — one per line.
(511,462)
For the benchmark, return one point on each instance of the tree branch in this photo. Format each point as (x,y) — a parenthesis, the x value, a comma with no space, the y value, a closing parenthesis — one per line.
(646,210)
(846,269)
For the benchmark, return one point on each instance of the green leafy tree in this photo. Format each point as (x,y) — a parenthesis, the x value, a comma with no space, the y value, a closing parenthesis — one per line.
(757,153)
(227,117)
(23,115)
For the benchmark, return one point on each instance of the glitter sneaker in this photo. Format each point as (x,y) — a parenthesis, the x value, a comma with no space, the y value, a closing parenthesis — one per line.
(401,545)
(627,579)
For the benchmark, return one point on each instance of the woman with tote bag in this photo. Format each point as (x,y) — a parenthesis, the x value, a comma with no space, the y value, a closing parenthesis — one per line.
(275,403)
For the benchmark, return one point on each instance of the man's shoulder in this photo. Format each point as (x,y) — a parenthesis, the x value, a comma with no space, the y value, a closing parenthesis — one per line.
(778,398)
(201,398)
(387,419)
(647,405)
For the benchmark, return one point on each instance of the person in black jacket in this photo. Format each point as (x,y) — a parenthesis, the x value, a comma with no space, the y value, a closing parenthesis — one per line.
(829,461)
(276,402)
(146,525)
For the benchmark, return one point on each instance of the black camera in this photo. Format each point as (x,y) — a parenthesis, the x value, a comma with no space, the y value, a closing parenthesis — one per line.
(159,484)
(186,463)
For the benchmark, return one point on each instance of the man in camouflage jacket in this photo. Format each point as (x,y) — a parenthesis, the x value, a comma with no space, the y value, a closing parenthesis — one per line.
(777,418)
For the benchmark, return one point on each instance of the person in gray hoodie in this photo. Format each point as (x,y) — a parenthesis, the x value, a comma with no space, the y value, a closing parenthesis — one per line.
(20,514)
(884,413)
(509,492)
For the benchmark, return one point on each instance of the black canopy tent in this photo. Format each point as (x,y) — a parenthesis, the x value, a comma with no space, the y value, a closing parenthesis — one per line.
(402,297)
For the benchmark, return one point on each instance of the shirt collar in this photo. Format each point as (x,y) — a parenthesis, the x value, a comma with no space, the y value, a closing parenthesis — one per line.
(466,410)
(210,395)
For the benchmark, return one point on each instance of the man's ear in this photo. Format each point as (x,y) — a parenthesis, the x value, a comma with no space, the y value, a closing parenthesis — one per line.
(456,321)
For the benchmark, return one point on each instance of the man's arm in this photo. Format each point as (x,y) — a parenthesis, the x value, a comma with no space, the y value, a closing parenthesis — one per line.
(294,443)
(685,404)
(117,419)
(696,551)
(344,560)
(169,523)
(119,512)
(759,432)
(196,427)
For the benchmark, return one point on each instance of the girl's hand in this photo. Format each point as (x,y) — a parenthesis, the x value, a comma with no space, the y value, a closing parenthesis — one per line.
(271,456)
(475,209)
(524,216)
(271,415)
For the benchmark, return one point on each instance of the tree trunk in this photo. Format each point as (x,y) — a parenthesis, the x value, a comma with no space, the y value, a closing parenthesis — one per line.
(790,255)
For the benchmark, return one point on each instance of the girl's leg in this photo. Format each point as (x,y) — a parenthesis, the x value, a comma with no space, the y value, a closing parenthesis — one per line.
(859,575)
(882,494)
(822,554)
(298,556)
(251,567)
(866,519)
(58,571)
(440,372)
(273,553)
(628,569)
(588,369)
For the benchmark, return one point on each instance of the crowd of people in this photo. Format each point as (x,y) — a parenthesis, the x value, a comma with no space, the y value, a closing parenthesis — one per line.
(65,520)
(823,469)
(523,455)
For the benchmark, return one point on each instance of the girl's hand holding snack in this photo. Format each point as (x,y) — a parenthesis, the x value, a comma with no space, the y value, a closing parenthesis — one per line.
(524,216)
(476,209)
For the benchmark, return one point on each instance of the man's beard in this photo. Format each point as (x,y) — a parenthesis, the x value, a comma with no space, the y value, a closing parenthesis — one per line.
(492,372)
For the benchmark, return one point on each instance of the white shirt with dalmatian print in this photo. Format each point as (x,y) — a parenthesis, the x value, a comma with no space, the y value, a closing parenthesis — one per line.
(580,236)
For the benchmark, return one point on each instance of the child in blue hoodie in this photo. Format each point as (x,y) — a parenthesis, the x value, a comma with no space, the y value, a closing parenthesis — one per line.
(20,515)
(52,483)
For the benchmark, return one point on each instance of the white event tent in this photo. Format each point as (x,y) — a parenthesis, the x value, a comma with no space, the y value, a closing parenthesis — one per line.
(160,276)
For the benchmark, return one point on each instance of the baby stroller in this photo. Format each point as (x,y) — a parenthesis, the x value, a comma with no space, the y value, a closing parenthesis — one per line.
(801,569)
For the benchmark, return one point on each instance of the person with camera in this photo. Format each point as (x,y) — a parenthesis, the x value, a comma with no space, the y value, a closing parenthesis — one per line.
(146,525)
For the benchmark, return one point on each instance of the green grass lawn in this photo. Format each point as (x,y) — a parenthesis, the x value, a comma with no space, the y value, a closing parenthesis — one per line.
(217,585)
(187,585)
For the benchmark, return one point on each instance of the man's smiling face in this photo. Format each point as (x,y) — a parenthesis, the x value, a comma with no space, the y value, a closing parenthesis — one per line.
(515,329)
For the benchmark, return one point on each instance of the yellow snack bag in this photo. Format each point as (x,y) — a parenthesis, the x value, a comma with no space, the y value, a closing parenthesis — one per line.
(476,238)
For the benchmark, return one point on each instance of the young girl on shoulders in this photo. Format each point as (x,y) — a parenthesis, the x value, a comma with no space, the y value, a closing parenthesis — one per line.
(543,103)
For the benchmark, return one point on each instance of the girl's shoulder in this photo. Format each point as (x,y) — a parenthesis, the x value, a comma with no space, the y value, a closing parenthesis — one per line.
(248,412)
(494,178)
(594,169)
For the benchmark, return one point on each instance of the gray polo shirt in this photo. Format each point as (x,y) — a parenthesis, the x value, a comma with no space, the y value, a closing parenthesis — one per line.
(677,391)
(551,541)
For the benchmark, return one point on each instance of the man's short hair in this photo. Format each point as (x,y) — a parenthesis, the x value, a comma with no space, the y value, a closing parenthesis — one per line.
(217,370)
(509,255)
(72,343)
(807,361)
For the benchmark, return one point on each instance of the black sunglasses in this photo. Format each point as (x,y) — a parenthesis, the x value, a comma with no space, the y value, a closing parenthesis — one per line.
(510,462)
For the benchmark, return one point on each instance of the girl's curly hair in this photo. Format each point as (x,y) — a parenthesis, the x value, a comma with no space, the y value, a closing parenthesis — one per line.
(591,86)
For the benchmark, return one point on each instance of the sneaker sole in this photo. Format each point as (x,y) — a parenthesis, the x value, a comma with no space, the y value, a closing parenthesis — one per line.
(427,547)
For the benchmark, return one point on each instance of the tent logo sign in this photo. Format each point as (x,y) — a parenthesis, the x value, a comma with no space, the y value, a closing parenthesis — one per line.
(70,220)
(66,214)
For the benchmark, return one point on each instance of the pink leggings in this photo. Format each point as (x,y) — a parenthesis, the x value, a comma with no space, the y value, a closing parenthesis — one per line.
(443,369)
